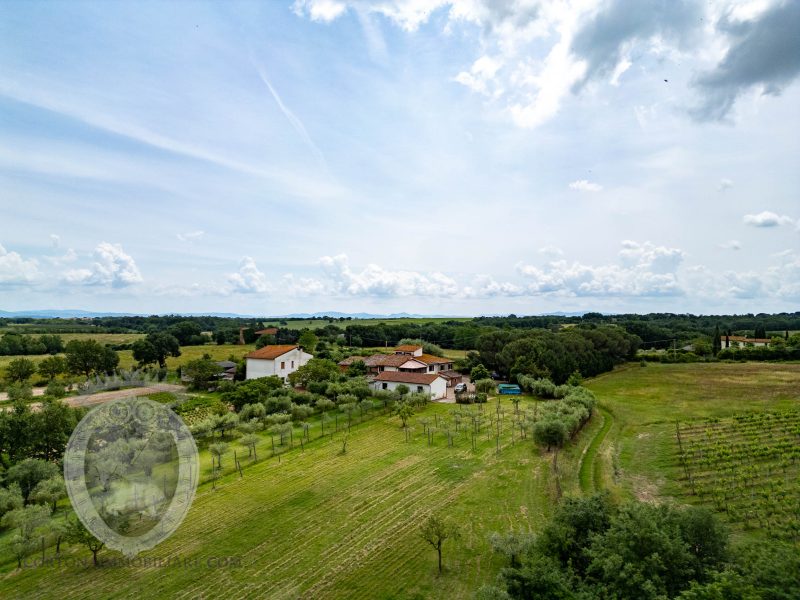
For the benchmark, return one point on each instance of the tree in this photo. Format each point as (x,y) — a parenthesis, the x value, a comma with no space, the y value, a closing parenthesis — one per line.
(29,472)
(550,432)
(436,531)
(78,534)
(20,369)
(479,372)
(716,344)
(308,341)
(402,390)
(357,368)
(404,410)
(760,332)
(155,348)
(201,371)
(250,441)
(485,386)
(10,498)
(217,450)
(49,491)
(186,332)
(316,369)
(85,357)
(26,521)
(52,366)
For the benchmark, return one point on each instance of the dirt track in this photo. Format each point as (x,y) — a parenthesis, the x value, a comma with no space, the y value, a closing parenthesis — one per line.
(101,397)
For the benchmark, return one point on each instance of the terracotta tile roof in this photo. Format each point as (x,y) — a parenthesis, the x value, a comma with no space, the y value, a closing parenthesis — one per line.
(430,359)
(267,331)
(413,378)
(272,352)
(407,348)
(450,374)
(742,338)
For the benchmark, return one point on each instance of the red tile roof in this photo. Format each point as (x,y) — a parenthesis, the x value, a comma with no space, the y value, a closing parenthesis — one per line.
(402,377)
(742,338)
(267,331)
(407,348)
(430,359)
(271,352)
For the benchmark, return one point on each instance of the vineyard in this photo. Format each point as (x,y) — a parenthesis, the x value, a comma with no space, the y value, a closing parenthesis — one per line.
(746,466)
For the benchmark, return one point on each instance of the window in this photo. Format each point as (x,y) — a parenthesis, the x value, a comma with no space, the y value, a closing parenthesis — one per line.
(283,365)
(293,364)
(430,368)
(384,386)
(419,389)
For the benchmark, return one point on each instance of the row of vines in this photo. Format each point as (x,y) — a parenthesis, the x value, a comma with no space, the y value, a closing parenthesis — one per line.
(748,467)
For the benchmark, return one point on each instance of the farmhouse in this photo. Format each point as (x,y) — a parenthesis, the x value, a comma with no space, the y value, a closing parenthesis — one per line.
(423,383)
(407,359)
(280,360)
(740,341)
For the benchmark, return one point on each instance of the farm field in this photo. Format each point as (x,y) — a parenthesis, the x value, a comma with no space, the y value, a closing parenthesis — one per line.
(126,361)
(639,455)
(319,524)
(747,467)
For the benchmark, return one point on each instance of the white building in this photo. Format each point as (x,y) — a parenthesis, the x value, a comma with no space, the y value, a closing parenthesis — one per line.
(423,383)
(280,360)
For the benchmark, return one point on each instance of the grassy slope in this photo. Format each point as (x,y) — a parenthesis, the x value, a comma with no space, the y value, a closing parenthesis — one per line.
(637,456)
(322,525)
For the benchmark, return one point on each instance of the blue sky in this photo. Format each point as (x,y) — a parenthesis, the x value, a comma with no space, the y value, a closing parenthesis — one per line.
(454,157)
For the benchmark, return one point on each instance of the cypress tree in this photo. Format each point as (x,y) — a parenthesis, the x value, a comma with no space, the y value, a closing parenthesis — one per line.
(716,345)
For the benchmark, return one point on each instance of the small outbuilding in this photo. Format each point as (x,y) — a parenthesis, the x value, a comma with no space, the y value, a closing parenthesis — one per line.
(422,383)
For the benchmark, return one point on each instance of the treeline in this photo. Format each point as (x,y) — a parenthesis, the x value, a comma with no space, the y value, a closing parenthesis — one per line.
(15,344)
(556,356)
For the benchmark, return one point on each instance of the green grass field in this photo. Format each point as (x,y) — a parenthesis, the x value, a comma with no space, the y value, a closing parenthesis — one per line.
(319,524)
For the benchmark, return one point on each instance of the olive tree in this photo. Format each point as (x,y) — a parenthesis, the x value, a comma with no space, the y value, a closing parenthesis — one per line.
(436,531)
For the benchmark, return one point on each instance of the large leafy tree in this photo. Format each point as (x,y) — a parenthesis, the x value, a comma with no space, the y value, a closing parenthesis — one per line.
(20,369)
(29,472)
(86,357)
(185,332)
(52,366)
(155,348)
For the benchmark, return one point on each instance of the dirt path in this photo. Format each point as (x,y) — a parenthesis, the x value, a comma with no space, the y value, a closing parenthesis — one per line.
(101,397)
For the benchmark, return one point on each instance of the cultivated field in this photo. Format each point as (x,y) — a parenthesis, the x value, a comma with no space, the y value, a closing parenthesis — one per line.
(638,456)
(319,524)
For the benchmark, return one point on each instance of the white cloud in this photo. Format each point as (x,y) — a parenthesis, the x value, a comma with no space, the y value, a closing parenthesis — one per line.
(767,219)
(583,185)
(248,279)
(55,240)
(191,236)
(645,270)
(374,280)
(481,75)
(551,251)
(724,184)
(319,10)
(16,270)
(69,256)
(112,267)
